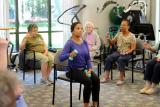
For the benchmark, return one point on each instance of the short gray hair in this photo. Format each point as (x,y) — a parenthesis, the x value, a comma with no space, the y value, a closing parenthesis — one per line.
(89,23)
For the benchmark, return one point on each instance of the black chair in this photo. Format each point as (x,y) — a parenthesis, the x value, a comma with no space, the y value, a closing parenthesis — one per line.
(28,64)
(138,55)
(63,66)
(11,56)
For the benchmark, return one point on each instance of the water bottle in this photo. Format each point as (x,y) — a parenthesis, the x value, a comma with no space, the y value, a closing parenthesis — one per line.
(71,58)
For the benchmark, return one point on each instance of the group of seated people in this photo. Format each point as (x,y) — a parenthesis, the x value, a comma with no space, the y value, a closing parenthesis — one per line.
(82,47)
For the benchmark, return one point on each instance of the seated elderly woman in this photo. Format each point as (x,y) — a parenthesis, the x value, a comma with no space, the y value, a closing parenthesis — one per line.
(34,41)
(92,39)
(152,73)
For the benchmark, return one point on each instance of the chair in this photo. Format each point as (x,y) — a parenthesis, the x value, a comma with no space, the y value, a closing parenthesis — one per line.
(12,56)
(63,66)
(138,55)
(28,64)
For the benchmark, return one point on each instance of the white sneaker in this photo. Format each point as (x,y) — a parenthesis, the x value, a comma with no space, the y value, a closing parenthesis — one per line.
(120,82)
(46,82)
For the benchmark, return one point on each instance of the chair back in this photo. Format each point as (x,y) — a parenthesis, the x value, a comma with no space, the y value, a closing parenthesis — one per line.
(139,46)
(60,65)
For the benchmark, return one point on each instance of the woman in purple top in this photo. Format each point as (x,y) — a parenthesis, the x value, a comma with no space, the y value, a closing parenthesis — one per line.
(76,50)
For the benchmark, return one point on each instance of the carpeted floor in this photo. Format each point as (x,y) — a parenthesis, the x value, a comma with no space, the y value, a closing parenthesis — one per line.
(111,95)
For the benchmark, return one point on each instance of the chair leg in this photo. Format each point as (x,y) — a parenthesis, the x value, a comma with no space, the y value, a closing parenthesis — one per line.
(111,74)
(132,72)
(80,87)
(34,76)
(23,74)
(54,85)
(71,93)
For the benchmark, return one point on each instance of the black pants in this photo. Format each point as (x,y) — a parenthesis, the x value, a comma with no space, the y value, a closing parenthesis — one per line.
(91,84)
(152,71)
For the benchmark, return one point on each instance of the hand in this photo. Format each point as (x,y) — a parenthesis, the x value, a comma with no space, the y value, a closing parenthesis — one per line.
(124,53)
(90,70)
(73,54)
(147,46)
(45,53)
(158,59)
(108,36)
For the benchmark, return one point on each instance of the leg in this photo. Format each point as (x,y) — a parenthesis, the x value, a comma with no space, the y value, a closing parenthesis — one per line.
(80,76)
(108,63)
(44,63)
(95,89)
(155,79)
(50,63)
(149,69)
(122,61)
(148,75)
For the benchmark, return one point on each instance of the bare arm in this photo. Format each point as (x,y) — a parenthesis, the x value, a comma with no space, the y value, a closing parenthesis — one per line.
(23,44)
(148,47)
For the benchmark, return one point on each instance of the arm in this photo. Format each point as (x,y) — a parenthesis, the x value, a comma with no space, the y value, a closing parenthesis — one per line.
(45,46)
(152,49)
(88,58)
(133,47)
(65,52)
(112,41)
(23,44)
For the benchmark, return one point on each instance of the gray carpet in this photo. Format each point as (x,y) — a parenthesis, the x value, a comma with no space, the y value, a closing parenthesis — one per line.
(111,95)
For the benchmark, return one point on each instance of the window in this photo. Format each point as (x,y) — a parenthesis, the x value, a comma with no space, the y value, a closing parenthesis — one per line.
(44,13)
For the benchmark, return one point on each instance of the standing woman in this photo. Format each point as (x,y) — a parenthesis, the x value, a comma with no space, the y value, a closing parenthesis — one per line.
(80,62)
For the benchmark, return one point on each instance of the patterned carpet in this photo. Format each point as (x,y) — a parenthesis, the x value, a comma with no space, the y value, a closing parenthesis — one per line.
(111,95)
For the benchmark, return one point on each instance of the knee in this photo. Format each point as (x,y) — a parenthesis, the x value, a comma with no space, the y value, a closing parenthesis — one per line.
(88,83)
(44,59)
(108,59)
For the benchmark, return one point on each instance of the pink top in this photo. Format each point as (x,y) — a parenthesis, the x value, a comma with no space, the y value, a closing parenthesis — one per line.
(90,40)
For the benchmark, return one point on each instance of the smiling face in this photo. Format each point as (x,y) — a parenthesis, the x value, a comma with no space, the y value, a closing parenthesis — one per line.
(77,31)
(124,26)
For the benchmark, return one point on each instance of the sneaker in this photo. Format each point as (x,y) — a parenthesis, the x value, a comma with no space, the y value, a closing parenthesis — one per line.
(50,81)
(104,80)
(46,82)
(143,90)
(120,82)
(151,91)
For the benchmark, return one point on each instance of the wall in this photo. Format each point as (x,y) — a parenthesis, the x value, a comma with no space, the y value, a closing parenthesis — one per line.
(155,17)
(101,20)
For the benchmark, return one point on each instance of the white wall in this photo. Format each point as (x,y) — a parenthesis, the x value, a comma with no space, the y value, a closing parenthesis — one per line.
(155,16)
(101,20)
(4,13)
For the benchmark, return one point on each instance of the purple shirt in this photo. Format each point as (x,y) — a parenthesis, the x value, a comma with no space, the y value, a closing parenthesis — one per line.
(81,60)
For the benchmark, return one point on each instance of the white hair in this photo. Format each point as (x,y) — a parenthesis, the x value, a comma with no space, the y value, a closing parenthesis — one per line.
(89,23)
